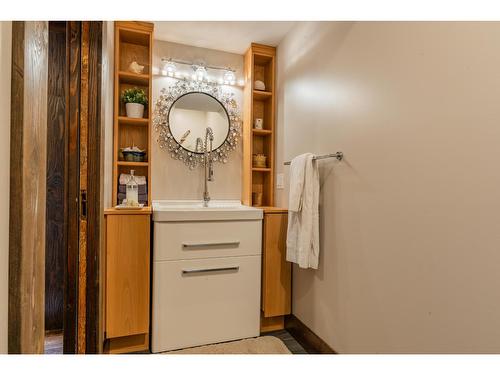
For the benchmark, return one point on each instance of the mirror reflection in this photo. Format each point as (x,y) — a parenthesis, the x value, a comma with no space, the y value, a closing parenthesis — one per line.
(189,117)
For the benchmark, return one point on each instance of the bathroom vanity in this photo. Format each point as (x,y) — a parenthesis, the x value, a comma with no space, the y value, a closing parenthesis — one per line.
(206,273)
(180,274)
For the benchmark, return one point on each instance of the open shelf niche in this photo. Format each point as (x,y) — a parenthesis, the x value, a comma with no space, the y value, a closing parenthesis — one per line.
(133,42)
(259,180)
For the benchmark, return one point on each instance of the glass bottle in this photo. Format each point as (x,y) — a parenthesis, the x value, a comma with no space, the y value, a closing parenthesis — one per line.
(132,191)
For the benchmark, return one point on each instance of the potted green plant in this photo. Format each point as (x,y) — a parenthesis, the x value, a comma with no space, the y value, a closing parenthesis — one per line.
(135,99)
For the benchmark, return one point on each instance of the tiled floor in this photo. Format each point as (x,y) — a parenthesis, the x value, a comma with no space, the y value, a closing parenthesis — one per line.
(54,342)
(289,341)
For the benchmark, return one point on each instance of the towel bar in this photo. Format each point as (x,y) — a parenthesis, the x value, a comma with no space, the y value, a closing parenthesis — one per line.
(338,155)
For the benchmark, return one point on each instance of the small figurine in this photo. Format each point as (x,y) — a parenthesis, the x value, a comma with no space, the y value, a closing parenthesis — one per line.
(134,67)
(259,85)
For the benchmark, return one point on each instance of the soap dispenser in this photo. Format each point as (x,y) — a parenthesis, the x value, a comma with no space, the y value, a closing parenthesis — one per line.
(132,191)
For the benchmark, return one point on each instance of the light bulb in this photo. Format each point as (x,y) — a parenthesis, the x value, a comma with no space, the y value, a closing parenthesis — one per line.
(169,68)
(200,73)
(229,77)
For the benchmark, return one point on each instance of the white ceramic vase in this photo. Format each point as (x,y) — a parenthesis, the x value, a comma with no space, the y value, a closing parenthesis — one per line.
(134,110)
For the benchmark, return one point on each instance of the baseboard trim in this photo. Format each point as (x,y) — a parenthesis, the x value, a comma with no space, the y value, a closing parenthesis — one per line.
(311,342)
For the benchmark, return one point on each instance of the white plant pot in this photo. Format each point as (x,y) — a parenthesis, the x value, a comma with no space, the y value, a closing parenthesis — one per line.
(134,110)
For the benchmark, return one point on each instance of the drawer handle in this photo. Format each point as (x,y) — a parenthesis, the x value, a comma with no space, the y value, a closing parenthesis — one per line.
(203,270)
(211,244)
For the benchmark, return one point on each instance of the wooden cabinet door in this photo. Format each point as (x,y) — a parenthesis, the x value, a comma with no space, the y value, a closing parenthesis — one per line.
(127,275)
(276,271)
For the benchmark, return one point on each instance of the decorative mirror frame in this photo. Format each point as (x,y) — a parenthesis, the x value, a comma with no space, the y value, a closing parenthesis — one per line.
(161,122)
(210,96)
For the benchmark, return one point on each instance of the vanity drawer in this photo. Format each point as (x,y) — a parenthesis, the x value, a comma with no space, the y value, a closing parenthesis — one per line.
(206,239)
(198,302)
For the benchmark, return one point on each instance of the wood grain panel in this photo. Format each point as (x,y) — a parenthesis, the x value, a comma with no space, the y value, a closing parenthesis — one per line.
(95,204)
(134,26)
(83,141)
(71,292)
(81,329)
(28,188)
(263,50)
(127,275)
(246,184)
(16,191)
(276,271)
(56,235)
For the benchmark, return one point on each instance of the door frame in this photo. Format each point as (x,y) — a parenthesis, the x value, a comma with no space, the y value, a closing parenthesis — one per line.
(27,187)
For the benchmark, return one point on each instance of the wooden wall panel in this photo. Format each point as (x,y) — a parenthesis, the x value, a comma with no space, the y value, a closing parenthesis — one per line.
(16,191)
(84,178)
(28,188)
(71,278)
(80,112)
(83,141)
(56,234)
(95,203)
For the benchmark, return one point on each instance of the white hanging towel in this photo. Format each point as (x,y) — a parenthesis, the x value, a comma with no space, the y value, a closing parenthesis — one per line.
(302,242)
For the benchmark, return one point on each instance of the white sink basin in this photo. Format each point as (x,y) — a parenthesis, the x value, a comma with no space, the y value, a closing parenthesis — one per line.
(193,210)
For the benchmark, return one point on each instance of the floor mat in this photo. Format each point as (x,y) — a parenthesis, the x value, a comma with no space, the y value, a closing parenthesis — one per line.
(259,345)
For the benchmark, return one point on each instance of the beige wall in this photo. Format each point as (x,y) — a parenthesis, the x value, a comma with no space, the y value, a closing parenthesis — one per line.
(172,179)
(5,66)
(410,221)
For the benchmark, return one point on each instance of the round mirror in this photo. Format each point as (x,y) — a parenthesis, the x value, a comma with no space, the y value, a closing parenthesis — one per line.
(189,117)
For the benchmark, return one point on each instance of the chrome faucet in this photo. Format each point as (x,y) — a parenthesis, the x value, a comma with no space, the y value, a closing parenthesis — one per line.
(208,163)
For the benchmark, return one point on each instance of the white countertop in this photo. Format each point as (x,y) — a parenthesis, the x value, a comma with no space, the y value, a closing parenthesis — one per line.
(193,210)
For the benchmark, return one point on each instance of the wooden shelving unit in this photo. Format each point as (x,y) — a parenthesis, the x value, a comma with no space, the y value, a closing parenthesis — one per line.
(259,65)
(133,42)
(133,163)
(127,232)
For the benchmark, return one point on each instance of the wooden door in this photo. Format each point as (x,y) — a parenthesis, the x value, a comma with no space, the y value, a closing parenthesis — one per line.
(84,203)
